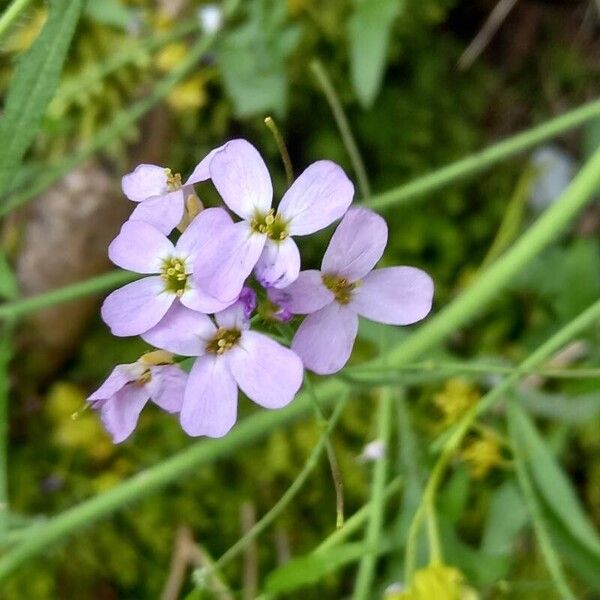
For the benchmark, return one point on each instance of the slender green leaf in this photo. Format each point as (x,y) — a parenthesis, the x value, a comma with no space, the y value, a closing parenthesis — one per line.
(369,31)
(8,283)
(35,81)
(551,482)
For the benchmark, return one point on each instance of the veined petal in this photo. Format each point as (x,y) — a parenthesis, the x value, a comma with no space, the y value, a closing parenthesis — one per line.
(163,212)
(210,400)
(202,171)
(325,338)
(120,414)
(226,261)
(146,181)
(395,295)
(241,177)
(317,198)
(140,247)
(356,246)
(181,331)
(266,371)
(136,307)
(306,295)
(120,376)
(167,386)
(279,263)
(200,231)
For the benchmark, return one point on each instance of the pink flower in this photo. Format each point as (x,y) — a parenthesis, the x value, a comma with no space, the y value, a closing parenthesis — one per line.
(121,398)
(347,287)
(262,240)
(140,247)
(160,193)
(229,356)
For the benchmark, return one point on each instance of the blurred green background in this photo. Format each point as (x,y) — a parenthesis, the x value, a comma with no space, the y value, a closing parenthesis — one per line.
(414,102)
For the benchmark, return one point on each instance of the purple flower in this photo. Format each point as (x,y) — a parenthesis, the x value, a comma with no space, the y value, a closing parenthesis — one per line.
(347,287)
(121,398)
(229,356)
(262,239)
(140,247)
(160,193)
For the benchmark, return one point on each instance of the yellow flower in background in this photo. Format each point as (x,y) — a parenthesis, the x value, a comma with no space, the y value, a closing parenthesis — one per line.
(23,36)
(73,428)
(483,454)
(435,582)
(171,56)
(456,397)
(188,95)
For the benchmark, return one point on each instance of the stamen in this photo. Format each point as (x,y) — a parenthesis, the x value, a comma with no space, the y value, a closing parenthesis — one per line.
(173,180)
(270,224)
(341,287)
(223,340)
(174,276)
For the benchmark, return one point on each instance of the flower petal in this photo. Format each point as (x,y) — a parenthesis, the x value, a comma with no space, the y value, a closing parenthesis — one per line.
(197,299)
(325,338)
(202,171)
(120,414)
(241,177)
(146,181)
(210,400)
(200,231)
(136,307)
(226,261)
(317,198)
(163,212)
(120,376)
(279,263)
(267,372)
(306,295)
(181,331)
(357,244)
(396,295)
(140,247)
(167,386)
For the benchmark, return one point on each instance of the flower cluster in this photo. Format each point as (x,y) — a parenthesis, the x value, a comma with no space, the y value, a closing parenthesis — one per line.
(198,294)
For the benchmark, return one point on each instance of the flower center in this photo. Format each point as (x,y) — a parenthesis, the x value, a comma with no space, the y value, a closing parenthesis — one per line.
(342,289)
(173,180)
(270,224)
(174,276)
(223,340)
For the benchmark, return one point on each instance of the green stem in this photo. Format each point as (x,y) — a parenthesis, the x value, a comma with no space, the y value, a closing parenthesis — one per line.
(356,521)
(158,476)
(545,351)
(490,284)
(12,13)
(366,569)
(343,126)
(283,151)
(470,303)
(95,285)
(486,158)
(5,357)
(452,368)
(284,501)
(542,534)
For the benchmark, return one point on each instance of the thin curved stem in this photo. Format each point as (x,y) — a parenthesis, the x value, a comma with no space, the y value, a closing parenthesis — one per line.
(343,126)
(546,350)
(283,502)
(11,14)
(485,158)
